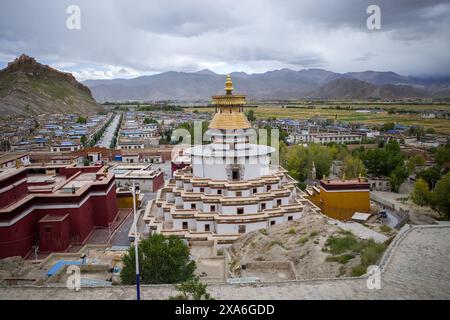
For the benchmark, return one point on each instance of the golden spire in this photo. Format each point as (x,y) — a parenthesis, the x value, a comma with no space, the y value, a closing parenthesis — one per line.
(229,110)
(229,85)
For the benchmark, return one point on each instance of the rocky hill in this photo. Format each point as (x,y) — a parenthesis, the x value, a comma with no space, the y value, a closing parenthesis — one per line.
(28,87)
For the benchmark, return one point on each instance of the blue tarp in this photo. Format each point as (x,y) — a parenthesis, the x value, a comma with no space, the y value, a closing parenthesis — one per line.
(60,264)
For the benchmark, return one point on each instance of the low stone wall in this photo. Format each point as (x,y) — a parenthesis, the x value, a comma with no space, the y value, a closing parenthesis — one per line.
(271,267)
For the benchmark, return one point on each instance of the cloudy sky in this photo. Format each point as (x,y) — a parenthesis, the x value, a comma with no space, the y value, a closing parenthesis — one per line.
(123,39)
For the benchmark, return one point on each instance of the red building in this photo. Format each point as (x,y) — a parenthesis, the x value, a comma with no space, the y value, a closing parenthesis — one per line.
(53,206)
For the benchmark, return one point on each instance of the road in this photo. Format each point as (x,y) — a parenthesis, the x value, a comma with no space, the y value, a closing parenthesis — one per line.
(415,267)
(107,137)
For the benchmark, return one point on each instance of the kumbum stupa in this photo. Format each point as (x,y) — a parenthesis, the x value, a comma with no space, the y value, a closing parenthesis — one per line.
(230,188)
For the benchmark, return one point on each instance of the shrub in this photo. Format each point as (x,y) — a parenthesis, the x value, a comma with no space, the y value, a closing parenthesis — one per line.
(341,259)
(291,231)
(302,240)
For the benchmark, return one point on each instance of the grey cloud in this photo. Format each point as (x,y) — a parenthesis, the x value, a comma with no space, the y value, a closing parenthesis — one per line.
(227,35)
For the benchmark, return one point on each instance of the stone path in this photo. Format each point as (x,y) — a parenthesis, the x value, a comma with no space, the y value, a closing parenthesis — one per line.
(416,267)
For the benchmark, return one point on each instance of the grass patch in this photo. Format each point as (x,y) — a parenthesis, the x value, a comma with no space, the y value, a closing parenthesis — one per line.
(385,228)
(291,231)
(313,233)
(264,232)
(358,271)
(341,259)
(338,245)
(370,251)
(302,240)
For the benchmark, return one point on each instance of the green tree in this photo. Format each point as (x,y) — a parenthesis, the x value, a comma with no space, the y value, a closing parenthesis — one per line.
(82,120)
(297,160)
(441,195)
(421,194)
(191,289)
(442,155)
(150,121)
(161,260)
(83,140)
(397,177)
(431,175)
(250,115)
(323,158)
(387,126)
(414,161)
(353,167)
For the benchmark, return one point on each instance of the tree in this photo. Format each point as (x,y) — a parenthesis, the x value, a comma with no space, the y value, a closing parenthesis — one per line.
(353,167)
(441,195)
(82,120)
(250,115)
(191,289)
(297,160)
(414,161)
(83,140)
(431,175)
(387,126)
(149,121)
(161,260)
(421,194)
(323,158)
(442,155)
(397,177)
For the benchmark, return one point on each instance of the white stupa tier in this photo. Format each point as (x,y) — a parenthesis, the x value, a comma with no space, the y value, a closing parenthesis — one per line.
(231,187)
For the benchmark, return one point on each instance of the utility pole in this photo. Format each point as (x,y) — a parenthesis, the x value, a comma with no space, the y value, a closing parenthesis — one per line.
(136,243)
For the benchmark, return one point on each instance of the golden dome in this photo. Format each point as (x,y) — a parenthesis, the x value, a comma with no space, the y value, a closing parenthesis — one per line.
(229,110)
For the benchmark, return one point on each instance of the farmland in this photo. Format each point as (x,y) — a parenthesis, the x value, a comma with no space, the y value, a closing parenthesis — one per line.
(264,111)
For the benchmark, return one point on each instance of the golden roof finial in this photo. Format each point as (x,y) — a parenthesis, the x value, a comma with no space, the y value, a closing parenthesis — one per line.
(229,85)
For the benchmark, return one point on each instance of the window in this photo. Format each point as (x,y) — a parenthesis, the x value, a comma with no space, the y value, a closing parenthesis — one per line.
(278,202)
(219,191)
(240,210)
(241,228)
(238,194)
(202,189)
(255,190)
(269,187)
(185,225)
(193,206)
(207,228)
(235,174)
(213,208)
(272,223)
(290,218)
(263,206)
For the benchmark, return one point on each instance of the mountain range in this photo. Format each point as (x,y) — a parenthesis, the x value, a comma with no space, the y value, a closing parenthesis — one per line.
(271,85)
(28,87)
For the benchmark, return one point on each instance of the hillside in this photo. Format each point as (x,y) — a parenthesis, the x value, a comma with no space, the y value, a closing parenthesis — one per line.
(344,88)
(28,87)
(277,84)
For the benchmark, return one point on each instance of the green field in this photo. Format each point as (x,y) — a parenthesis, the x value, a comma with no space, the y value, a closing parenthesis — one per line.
(277,111)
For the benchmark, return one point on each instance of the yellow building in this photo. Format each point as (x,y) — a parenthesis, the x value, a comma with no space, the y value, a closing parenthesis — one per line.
(340,199)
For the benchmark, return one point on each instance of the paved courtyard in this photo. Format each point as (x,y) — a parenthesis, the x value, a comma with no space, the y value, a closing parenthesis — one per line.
(416,267)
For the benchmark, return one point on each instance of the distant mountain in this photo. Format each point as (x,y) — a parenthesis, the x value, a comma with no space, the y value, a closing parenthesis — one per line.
(277,84)
(344,88)
(28,87)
